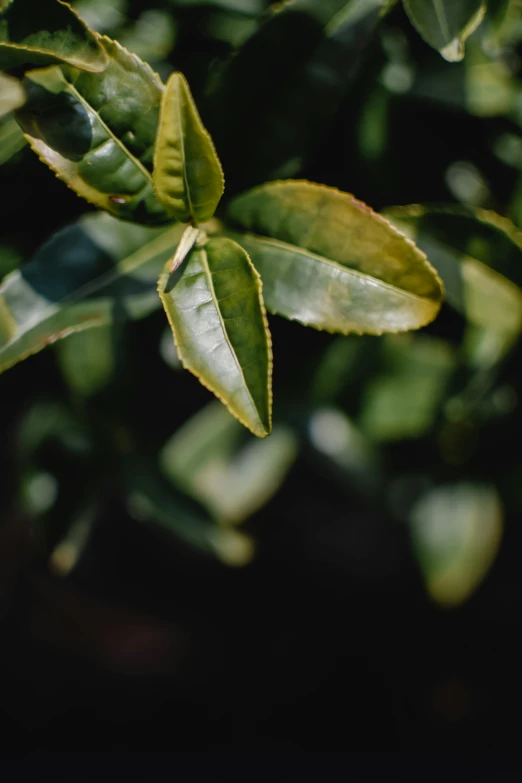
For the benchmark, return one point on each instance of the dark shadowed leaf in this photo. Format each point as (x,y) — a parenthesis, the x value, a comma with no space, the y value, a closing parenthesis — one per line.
(82,277)
(289,94)
(97,131)
(45,32)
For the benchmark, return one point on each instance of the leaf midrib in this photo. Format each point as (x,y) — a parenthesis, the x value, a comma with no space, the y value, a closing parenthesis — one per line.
(231,348)
(441,16)
(137,162)
(286,247)
(182,144)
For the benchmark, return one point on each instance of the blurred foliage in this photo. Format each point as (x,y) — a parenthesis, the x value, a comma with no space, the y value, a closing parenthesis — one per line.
(341,92)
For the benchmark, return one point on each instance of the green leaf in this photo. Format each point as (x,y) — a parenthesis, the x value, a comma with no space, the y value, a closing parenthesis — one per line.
(188,178)
(478,255)
(12,139)
(233,474)
(247,7)
(328,261)
(480,85)
(457,530)
(215,308)
(87,359)
(97,131)
(45,32)
(289,94)
(152,499)
(11,94)
(445,24)
(102,15)
(82,277)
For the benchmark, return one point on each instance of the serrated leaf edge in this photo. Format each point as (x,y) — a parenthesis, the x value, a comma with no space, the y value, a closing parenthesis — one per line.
(68,61)
(163,278)
(209,139)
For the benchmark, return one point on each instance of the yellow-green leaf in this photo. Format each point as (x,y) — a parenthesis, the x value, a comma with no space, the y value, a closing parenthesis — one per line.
(11,94)
(457,530)
(188,178)
(215,309)
(328,261)
(227,470)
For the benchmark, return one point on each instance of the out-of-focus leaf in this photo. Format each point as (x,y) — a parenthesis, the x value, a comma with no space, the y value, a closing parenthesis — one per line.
(338,439)
(247,7)
(445,24)
(289,94)
(80,278)
(45,32)
(11,138)
(97,131)
(215,308)
(503,25)
(44,421)
(456,532)
(9,259)
(233,476)
(480,85)
(188,178)
(478,254)
(337,368)
(403,401)
(11,94)
(328,261)
(151,37)
(69,549)
(152,499)
(101,15)
(87,359)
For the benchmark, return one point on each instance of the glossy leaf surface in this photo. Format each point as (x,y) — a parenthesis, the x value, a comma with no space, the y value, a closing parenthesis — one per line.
(97,132)
(445,24)
(45,32)
(11,94)
(215,308)
(328,261)
(81,278)
(188,178)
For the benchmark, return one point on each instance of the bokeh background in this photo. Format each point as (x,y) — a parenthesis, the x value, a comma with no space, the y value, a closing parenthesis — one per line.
(351,583)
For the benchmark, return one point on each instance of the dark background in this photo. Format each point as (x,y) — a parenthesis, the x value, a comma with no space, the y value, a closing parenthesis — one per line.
(327,642)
